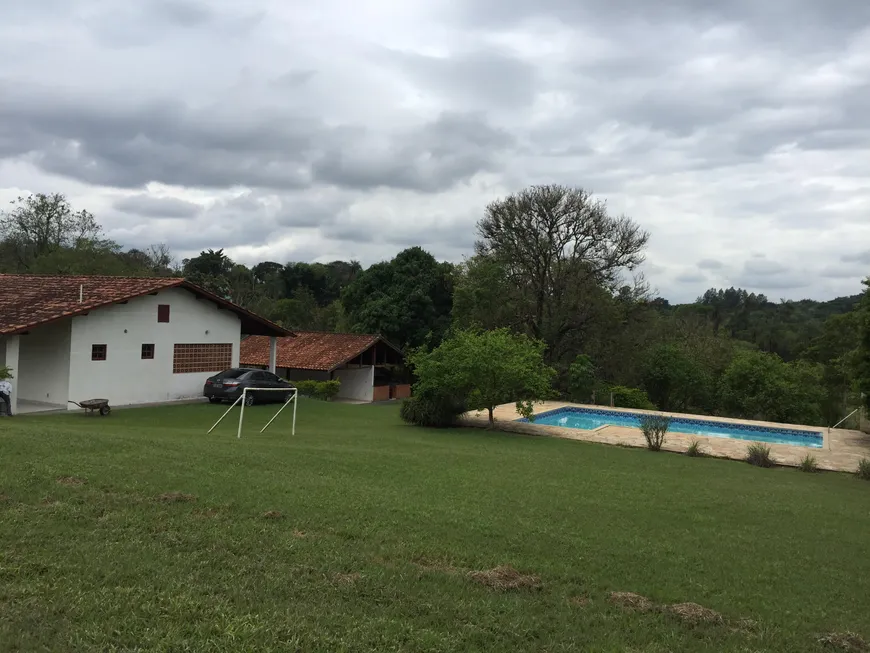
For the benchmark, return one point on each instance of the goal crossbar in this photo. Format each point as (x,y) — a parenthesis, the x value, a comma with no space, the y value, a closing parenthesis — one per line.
(294,395)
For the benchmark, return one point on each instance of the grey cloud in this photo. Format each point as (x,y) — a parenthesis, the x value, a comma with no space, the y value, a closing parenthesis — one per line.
(248,219)
(761,267)
(149,206)
(844,272)
(858,257)
(710,264)
(293,79)
(456,234)
(433,157)
(168,142)
(690,277)
(483,78)
(775,19)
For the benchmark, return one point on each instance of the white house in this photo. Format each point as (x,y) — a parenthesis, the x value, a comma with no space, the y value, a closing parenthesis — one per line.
(128,340)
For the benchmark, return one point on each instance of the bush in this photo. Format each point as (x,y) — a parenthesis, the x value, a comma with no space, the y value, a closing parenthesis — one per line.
(694,449)
(5,372)
(863,469)
(654,428)
(431,411)
(808,464)
(759,455)
(327,390)
(324,390)
(630,398)
(307,388)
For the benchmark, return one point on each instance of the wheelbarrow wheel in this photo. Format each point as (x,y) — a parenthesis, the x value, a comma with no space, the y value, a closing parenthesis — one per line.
(105,410)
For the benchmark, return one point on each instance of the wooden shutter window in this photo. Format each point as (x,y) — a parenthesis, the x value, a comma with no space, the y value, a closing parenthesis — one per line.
(163,312)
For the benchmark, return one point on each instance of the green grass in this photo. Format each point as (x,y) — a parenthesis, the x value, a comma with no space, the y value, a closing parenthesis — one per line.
(107,566)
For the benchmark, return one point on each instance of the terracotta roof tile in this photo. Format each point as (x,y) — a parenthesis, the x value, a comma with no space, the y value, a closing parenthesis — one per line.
(309,350)
(26,301)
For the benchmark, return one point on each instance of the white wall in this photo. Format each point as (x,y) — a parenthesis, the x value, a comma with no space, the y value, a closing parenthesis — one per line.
(124,378)
(43,364)
(356,383)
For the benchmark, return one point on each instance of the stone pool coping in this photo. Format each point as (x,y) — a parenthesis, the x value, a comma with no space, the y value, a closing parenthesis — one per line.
(841,451)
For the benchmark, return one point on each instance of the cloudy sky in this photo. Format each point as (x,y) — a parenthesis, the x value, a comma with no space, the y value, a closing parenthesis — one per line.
(738,135)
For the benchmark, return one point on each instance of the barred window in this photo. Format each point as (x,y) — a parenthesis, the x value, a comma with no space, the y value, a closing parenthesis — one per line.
(202,358)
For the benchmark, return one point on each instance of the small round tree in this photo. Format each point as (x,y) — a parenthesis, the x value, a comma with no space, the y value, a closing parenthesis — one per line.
(484,369)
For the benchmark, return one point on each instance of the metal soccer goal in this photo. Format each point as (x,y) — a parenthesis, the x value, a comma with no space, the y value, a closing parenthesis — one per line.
(293,397)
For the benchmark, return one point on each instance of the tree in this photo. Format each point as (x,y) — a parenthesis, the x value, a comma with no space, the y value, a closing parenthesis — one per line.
(407,300)
(557,253)
(485,369)
(674,380)
(581,379)
(42,234)
(210,270)
(862,364)
(758,385)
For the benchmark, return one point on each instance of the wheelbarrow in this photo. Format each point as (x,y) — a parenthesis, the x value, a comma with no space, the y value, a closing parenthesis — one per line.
(90,405)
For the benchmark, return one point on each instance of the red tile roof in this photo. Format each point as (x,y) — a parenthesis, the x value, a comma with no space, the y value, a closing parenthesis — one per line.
(309,350)
(29,300)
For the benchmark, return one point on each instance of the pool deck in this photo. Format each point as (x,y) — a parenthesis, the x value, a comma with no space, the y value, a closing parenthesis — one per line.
(841,451)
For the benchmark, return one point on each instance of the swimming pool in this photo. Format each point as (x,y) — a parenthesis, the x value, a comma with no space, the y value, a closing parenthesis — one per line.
(590,419)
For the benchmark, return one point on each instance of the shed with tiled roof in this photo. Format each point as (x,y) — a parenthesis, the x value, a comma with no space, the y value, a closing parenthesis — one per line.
(368,366)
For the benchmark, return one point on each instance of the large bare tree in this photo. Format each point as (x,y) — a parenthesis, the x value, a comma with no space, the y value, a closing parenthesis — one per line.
(558,248)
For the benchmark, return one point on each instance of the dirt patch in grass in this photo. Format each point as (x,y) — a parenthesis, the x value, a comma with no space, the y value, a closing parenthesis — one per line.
(505,578)
(206,513)
(299,534)
(346,579)
(631,601)
(695,614)
(579,601)
(850,642)
(176,497)
(272,514)
(71,481)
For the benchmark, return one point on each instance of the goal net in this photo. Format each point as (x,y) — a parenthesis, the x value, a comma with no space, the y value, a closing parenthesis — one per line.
(294,395)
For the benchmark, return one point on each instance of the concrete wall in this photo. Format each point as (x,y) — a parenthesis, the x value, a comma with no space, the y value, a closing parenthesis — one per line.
(124,378)
(44,363)
(356,383)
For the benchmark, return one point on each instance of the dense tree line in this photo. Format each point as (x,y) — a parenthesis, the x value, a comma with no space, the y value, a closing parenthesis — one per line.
(551,264)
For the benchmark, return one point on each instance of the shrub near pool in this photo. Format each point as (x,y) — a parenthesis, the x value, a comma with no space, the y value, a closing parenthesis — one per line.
(360,533)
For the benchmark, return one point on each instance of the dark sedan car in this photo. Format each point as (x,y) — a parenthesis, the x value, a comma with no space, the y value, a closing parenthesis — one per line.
(229,384)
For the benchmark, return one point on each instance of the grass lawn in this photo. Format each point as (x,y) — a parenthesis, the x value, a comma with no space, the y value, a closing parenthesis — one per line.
(381,527)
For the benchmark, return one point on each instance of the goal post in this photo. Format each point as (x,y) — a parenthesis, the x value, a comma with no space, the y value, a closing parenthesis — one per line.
(294,396)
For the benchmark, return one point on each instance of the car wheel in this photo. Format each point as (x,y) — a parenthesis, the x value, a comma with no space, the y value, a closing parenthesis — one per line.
(249,399)
(214,400)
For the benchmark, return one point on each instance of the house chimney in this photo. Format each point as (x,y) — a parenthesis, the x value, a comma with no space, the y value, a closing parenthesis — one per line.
(81,293)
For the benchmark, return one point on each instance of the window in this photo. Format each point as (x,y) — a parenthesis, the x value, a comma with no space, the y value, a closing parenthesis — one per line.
(98,352)
(190,358)
(147,352)
(163,312)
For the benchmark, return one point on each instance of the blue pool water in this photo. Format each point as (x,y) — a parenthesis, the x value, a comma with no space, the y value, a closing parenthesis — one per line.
(590,419)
